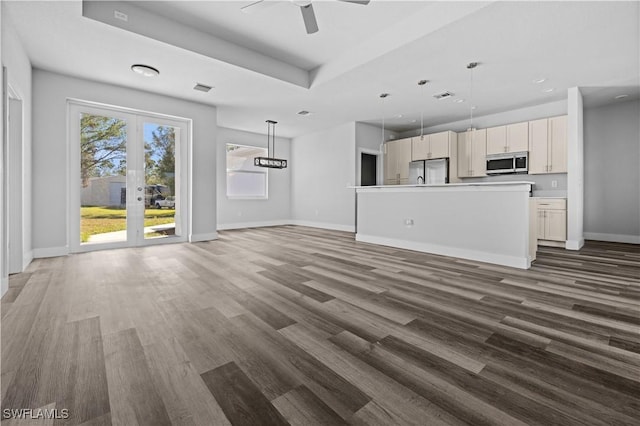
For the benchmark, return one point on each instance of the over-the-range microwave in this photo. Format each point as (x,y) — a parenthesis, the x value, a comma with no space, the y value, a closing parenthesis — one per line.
(512,162)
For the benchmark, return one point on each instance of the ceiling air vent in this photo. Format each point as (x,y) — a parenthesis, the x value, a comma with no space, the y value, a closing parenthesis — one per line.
(443,95)
(303,113)
(202,87)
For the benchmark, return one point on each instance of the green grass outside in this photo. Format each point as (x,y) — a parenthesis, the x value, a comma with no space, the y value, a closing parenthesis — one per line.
(100,220)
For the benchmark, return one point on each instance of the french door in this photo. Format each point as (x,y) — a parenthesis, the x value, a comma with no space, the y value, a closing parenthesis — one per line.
(128,178)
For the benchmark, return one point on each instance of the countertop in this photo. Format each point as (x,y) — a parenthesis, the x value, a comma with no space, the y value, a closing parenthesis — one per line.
(449,185)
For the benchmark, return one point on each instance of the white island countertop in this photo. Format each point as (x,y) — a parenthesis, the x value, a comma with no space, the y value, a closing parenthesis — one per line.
(449,185)
(488,222)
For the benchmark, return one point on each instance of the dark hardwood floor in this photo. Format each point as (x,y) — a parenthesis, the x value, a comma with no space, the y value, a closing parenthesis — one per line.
(301,326)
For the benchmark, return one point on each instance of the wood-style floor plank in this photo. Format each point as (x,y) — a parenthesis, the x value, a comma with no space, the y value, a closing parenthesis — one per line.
(240,399)
(305,326)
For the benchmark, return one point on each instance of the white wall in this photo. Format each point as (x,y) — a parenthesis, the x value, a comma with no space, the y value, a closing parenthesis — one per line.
(247,213)
(514,116)
(4,279)
(322,167)
(611,173)
(18,66)
(369,139)
(50,154)
(575,170)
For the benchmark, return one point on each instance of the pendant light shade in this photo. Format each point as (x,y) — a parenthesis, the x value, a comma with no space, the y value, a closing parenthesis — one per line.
(269,161)
(383,96)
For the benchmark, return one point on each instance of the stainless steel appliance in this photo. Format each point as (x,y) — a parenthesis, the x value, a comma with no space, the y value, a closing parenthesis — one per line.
(429,172)
(511,162)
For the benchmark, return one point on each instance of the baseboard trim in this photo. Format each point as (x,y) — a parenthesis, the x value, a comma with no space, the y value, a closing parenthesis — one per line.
(39,253)
(242,225)
(4,286)
(27,258)
(480,256)
(574,244)
(324,225)
(203,237)
(614,238)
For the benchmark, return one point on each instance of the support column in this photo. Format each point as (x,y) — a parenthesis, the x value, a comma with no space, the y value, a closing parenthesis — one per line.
(575,171)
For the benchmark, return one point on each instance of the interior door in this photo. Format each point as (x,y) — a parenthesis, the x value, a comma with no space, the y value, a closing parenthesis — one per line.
(128,178)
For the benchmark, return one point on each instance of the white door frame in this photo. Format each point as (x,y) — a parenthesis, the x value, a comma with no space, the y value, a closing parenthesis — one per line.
(4,239)
(15,170)
(135,153)
(378,154)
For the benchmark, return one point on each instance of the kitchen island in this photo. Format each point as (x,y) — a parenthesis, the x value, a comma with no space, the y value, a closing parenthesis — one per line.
(488,222)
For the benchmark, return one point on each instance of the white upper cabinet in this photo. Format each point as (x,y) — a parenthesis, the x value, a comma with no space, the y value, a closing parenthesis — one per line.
(397,157)
(548,145)
(472,153)
(437,145)
(558,144)
(496,140)
(538,146)
(518,137)
(509,138)
(420,148)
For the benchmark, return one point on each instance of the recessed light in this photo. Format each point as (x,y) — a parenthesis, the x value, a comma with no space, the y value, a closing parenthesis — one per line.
(459,101)
(145,70)
(399,116)
(443,95)
(202,87)
(621,96)
(540,80)
(304,113)
(413,121)
(549,90)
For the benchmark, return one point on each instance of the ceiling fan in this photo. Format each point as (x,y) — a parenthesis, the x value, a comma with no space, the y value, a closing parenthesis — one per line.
(308,15)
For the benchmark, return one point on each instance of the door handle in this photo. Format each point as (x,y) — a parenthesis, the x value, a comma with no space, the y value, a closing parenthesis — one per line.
(139,188)
(139,198)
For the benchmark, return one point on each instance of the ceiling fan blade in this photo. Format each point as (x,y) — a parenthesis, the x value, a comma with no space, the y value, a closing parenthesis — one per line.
(362,2)
(309,18)
(257,6)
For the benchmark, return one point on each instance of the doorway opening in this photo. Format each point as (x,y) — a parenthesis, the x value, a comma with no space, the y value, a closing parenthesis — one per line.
(368,169)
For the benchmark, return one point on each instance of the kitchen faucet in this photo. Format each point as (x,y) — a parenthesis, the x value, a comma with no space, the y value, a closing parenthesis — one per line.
(419,179)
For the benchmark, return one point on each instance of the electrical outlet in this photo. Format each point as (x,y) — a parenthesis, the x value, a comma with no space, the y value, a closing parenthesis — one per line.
(408,222)
(316,212)
(239,213)
(120,15)
(554,183)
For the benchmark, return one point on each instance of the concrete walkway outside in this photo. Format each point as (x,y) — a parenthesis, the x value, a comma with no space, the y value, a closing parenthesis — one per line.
(112,237)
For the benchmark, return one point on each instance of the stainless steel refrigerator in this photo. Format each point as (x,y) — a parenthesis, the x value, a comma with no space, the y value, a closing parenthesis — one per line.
(430,172)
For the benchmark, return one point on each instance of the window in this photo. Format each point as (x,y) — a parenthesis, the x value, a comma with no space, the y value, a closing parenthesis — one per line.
(244,180)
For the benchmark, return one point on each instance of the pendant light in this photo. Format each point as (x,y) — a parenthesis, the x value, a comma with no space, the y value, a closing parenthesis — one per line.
(269,161)
(471,66)
(383,97)
(421,83)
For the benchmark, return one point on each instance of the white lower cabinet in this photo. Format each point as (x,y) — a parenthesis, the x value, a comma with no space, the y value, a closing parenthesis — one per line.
(551,221)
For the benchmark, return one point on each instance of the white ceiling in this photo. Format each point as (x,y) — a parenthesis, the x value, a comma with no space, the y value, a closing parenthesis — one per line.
(264,66)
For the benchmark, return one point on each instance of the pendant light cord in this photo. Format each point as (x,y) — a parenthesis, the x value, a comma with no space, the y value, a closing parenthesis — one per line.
(471,66)
(383,96)
(271,137)
(421,83)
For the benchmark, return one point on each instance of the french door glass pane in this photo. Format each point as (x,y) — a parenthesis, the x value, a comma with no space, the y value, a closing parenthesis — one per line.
(161,197)
(103,173)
